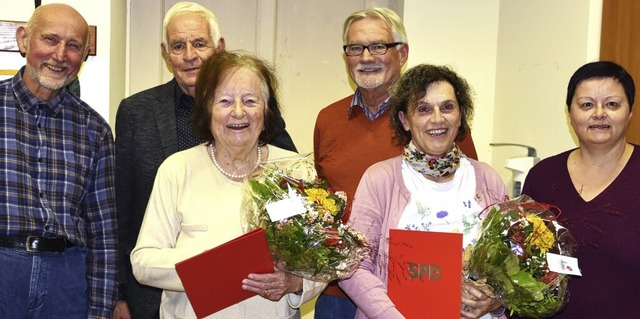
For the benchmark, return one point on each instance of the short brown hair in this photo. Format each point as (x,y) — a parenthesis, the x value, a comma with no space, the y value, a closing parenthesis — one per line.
(210,76)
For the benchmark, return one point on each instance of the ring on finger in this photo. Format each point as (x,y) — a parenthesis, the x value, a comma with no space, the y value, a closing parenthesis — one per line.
(266,294)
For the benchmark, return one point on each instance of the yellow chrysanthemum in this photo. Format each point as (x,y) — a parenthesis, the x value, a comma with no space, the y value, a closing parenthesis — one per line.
(316,194)
(319,196)
(330,205)
(541,236)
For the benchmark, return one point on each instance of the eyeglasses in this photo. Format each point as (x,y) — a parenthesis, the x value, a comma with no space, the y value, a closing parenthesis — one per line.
(374,48)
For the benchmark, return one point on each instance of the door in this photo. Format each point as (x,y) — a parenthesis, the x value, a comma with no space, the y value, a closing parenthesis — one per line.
(620,42)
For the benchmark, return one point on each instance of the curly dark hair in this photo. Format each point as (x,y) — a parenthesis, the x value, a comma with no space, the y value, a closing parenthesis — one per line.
(412,86)
(211,75)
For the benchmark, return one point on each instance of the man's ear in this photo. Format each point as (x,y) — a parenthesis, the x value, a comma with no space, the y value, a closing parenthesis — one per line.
(21,39)
(404,53)
(221,45)
(164,51)
(165,56)
(86,52)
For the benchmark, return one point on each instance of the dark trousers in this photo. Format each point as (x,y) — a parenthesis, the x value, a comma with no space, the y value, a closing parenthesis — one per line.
(143,301)
(334,307)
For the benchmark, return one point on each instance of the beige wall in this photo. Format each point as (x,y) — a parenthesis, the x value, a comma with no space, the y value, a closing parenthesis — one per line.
(302,39)
(517,54)
(540,44)
(463,35)
(101,77)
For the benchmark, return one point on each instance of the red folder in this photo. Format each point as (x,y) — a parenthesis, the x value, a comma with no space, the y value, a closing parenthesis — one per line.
(213,279)
(425,273)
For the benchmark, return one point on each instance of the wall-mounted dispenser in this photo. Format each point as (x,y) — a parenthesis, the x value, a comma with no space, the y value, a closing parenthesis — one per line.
(519,166)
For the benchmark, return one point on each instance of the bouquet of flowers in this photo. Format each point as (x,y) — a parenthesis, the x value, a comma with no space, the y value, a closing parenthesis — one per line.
(510,255)
(302,221)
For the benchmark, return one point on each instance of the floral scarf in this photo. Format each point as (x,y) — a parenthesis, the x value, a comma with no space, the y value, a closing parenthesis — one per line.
(436,166)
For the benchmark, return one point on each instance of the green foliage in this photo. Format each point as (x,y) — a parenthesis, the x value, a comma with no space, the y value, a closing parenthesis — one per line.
(506,256)
(315,244)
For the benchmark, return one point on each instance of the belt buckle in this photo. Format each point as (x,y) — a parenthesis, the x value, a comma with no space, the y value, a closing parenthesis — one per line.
(32,244)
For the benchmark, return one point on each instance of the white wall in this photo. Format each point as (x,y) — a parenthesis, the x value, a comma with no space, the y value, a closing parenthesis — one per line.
(117,53)
(302,39)
(518,55)
(102,75)
(540,44)
(464,35)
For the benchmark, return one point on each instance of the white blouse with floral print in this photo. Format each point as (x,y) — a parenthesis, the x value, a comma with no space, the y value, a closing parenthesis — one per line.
(442,207)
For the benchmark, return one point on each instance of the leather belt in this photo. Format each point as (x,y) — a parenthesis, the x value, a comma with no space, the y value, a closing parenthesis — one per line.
(35,244)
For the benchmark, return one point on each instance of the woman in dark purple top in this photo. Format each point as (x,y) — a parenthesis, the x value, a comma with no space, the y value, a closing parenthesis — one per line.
(597,188)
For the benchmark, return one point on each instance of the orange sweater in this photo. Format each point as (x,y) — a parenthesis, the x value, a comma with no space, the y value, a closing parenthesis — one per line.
(345,147)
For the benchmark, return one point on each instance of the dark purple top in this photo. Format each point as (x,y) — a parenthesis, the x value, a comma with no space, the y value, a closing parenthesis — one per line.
(607,230)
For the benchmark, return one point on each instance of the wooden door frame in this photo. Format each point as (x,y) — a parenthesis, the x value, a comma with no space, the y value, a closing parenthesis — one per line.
(620,42)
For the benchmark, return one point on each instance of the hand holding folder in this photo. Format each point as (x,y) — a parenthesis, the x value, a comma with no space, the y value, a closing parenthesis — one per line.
(213,279)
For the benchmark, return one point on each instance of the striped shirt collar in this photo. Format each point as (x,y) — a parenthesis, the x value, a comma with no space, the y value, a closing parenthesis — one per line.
(357,101)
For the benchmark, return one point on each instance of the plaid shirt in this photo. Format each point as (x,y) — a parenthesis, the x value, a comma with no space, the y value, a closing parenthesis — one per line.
(57,180)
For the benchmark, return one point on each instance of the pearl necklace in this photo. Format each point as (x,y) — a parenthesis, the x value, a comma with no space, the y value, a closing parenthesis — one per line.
(227,174)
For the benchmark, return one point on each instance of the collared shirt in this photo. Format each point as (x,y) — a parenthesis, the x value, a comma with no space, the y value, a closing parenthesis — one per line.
(185,104)
(357,101)
(57,179)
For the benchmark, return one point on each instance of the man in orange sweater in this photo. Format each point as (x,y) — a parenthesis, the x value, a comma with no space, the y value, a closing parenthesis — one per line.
(352,134)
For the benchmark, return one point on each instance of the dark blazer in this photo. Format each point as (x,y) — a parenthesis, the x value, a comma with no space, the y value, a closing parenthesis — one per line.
(145,137)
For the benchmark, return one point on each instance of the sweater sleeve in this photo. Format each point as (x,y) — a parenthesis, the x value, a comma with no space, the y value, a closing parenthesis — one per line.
(489,186)
(368,291)
(154,257)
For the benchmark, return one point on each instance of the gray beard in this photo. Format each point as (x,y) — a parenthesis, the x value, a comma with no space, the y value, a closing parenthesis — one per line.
(51,85)
(369,83)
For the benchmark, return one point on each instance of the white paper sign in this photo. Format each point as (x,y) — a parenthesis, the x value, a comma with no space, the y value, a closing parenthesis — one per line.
(563,264)
(285,208)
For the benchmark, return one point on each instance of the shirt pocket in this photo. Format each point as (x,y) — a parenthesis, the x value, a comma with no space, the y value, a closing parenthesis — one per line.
(193,230)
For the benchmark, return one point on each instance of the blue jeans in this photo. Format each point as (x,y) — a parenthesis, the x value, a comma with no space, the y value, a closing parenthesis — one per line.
(43,285)
(334,307)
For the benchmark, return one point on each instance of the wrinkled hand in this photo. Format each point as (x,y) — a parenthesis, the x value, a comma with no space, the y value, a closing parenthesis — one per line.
(272,286)
(121,310)
(480,303)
